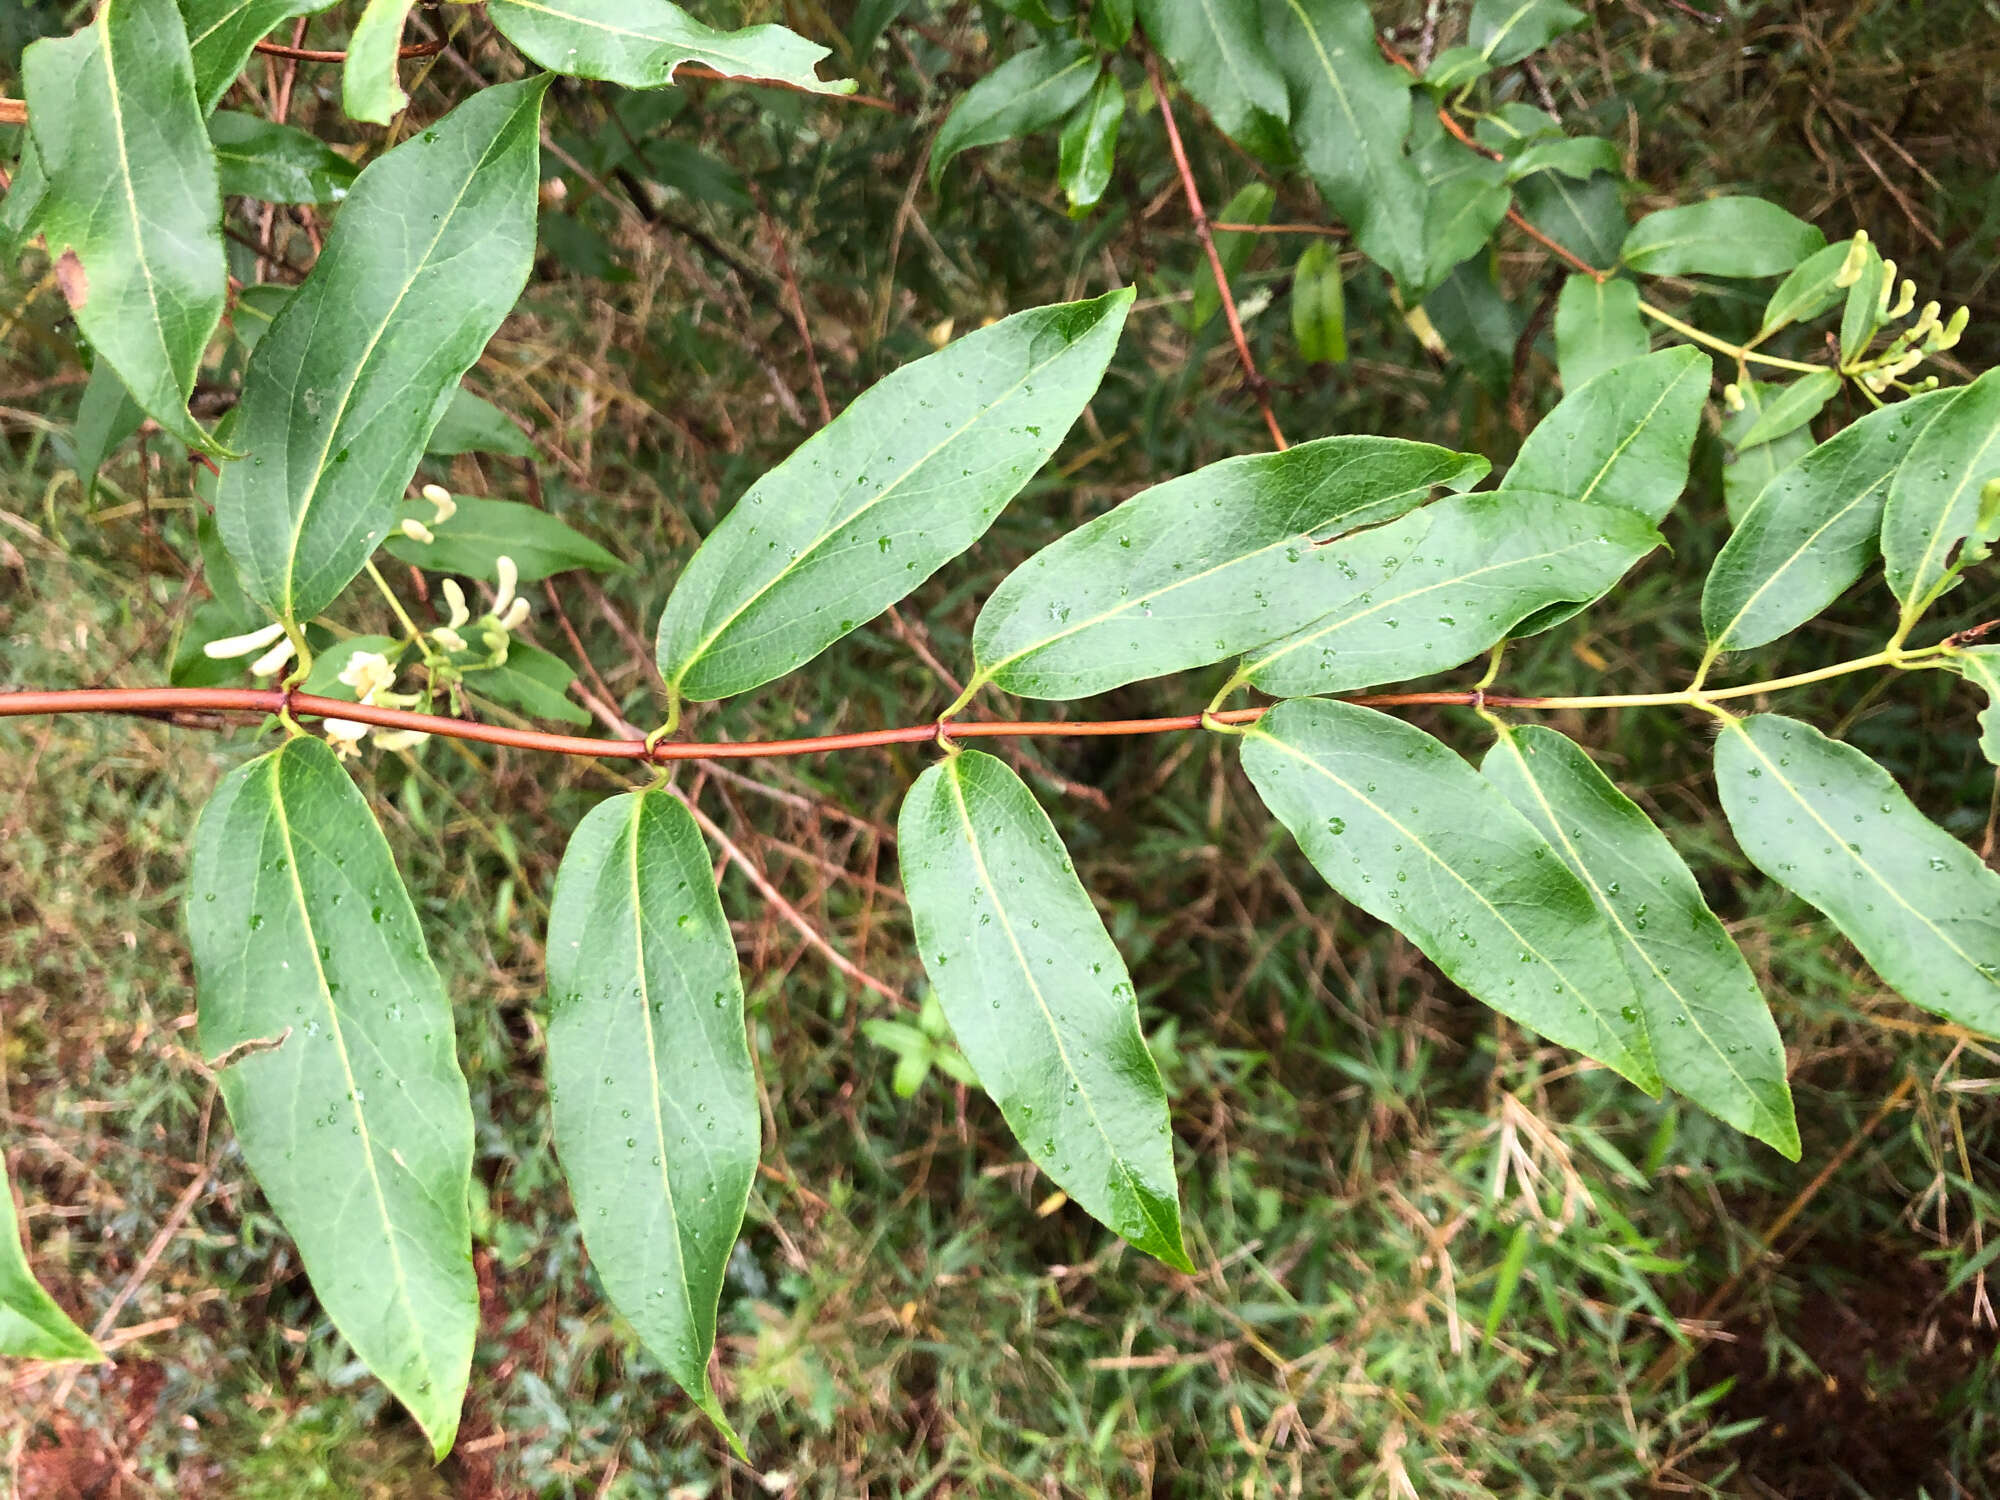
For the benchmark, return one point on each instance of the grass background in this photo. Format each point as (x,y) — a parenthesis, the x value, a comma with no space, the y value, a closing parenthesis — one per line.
(1368,1159)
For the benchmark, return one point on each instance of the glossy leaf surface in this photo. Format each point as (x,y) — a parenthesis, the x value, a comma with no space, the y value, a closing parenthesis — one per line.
(1037,995)
(425,258)
(1823,819)
(480,532)
(639,43)
(1622,438)
(1980,665)
(1934,499)
(1712,1034)
(1413,835)
(1812,288)
(1721,237)
(471,425)
(105,418)
(866,509)
(1319,306)
(650,1083)
(131,208)
(1788,407)
(275,163)
(1746,471)
(1090,144)
(1506,31)
(1598,328)
(31,1325)
(1026,93)
(369,89)
(319,1007)
(221,34)
(1222,55)
(534,681)
(1201,567)
(1812,530)
(1444,583)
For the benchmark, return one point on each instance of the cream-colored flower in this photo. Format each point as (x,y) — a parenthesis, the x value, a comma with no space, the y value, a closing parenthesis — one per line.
(272,662)
(344,735)
(416,530)
(242,645)
(454,596)
(399,739)
(517,613)
(368,673)
(441,502)
(448,639)
(509,575)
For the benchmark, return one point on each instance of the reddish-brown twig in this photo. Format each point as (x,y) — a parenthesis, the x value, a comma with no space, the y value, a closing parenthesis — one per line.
(318,54)
(1255,381)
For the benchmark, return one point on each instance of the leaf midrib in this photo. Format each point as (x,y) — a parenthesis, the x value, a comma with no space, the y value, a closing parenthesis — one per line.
(1721,637)
(140,258)
(705,49)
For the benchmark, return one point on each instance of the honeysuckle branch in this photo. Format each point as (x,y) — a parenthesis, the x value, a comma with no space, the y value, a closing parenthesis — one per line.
(289,703)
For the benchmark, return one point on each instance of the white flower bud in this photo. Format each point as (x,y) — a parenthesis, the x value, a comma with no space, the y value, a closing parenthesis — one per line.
(1732,396)
(517,613)
(454,596)
(509,575)
(416,531)
(273,661)
(400,739)
(344,735)
(1856,262)
(1905,302)
(242,645)
(441,501)
(1954,328)
(1888,287)
(448,639)
(368,673)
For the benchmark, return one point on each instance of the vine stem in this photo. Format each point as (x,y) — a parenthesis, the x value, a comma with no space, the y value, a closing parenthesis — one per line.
(1737,352)
(1258,388)
(283,702)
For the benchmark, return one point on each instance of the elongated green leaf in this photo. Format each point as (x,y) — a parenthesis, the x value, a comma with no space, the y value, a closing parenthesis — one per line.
(27,191)
(132,209)
(276,163)
(481,532)
(1459,218)
(1350,112)
(1791,406)
(1586,217)
(1319,306)
(902,481)
(1722,237)
(1090,144)
(31,1325)
(369,89)
(1505,31)
(1934,500)
(1598,327)
(1862,315)
(640,43)
(1810,290)
(106,418)
(470,425)
(1444,583)
(1201,567)
(1479,328)
(1577,156)
(1410,833)
(1746,471)
(221,34)
(1812,530)
(533,681)
(1712,1034)
(1981,665)
(1038,997)
(1622,438)
(1825,820)
(1220,54)
(1026,93)
(331,1036)
(1233,248)
(256,309)
(650,1085)
(365,357)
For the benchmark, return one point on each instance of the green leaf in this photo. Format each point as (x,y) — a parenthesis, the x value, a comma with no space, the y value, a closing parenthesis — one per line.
(1475,322)
(1861,317)
(1934,499)
(900,483)
(1575,156)
(650,1084)
(1786,408)
(1981,665)
(1319,306)
(1038,997)
(132,210)
(331,1037)
(1712,1034)
(105,419)
(1721,237)
(1459,218)
(276,163)
(1810,290)
(1411,834)
(256,309)
(533,681)
(1505,31)
(1747,470)
(1350,112)
(1201,567)
(1444,583)
(1598,328)
(1090,144)
(1029,91)
(1823,819)
(470,425)
(31,1325)
(222,33)
(1585,217)
(1111,22)
(1812,530)
(1454,68)
(1221,55)
(1622,438)
(21,208)
(427,255)
(369,89)
(1233,248)
(480,532)
(639,43)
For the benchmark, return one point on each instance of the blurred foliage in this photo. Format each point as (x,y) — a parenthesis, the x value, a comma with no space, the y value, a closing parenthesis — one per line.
(1435,1257)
